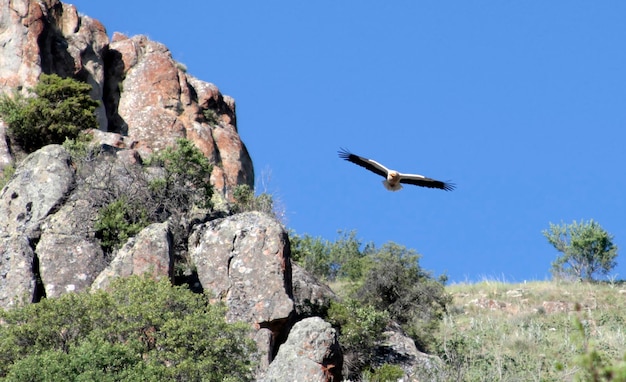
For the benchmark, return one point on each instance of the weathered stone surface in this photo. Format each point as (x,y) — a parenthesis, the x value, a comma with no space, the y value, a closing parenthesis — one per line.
(244,261)
(149,253)
(236,163)
(50,37)
(70,258)
(311,353)
(151,96)
(87,42)
(21,23)
(398,349)
(311,297)
(40,184)
(69,253)
(17,280)
(5,153)
(161,102)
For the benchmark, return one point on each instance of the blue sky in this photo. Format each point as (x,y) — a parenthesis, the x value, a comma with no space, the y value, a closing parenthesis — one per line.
(521,104)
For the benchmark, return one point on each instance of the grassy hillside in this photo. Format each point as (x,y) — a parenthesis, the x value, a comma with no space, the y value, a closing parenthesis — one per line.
(537,331)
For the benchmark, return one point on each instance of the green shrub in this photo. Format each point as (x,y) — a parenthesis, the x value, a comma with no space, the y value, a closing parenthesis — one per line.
(385,373)
(60,108)
(7,173)
(338,260)
(187,177)
(245,200)
(397,284)
(360,327)
(80,147)
(593,363)
(118,221)
(312,254)
(141,330)
(211,116)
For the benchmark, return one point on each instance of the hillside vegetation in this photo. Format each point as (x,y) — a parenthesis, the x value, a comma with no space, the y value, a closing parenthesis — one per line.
(143,330)
(537,331)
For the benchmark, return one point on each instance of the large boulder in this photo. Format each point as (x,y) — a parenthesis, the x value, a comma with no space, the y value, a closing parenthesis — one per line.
(161,102)
(17,279)
(244,261)
(40,185)
(310,354)
(149,253)
(311,297)
(70,257)
(398,349)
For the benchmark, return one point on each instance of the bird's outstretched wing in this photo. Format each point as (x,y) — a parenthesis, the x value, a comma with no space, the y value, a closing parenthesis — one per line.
(420,180)
(369,164)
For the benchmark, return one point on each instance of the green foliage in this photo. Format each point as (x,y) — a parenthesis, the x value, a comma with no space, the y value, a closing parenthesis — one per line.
(312,254)
(245,200)
(586,247)
(360,327)
(347,260)
(118,221)
(594,365)
(533,331)
(187,177)
(386,280)
(60,108)
(7,173)
(385,373)
(339,260)
(141,331)
(395,283)
(211,116)
(80,147)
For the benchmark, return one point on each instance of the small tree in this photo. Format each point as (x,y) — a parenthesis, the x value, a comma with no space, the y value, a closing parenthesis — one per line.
(587,249)
(338,260)
(60,108)
(361,327)
(118,221)
(311,253)
(396,283)
(187,177)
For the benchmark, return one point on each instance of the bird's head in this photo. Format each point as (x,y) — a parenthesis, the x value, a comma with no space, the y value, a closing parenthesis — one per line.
(393,177)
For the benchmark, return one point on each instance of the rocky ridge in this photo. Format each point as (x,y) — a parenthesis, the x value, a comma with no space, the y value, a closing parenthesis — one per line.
(147,100)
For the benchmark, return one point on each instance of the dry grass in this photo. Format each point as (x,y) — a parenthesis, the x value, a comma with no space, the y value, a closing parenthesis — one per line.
(496,331)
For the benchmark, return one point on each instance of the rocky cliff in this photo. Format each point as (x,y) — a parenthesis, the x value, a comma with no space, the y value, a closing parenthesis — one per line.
(48,209)
(147,99)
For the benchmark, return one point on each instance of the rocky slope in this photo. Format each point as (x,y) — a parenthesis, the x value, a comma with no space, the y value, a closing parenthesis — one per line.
(147,100)
(48,209)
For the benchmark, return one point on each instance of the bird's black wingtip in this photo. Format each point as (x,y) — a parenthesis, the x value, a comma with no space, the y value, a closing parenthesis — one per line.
(447,186)
(343,153)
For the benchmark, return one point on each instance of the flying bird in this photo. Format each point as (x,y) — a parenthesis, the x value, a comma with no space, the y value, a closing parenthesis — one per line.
(394,178)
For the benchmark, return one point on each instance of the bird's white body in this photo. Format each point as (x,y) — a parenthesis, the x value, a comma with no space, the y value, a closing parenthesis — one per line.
(392,183)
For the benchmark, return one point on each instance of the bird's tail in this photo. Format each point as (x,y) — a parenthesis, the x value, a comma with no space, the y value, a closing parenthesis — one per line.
(396,187)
